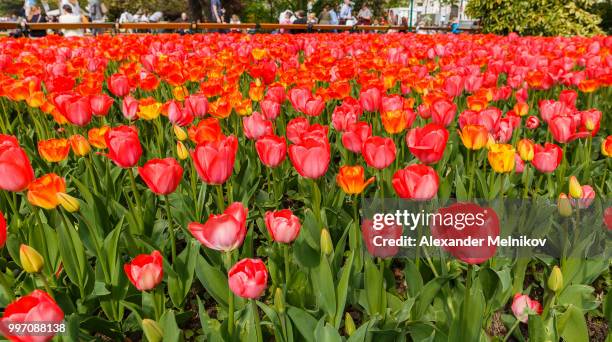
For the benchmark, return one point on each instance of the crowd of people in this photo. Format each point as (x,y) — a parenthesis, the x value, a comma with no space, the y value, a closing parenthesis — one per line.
(69,11)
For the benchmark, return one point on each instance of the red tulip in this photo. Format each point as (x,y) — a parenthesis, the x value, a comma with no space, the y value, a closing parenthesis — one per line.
(590,121)
(343,116)
(123,146)
(546,159)
(310,157)
(14,165)
(532,122)
(484,228)
(276,93)
(100,104)
(224,232)
(568,97)
(370,99)
(453,85)
(270,109)
(314,107)
(355,135)
(607,218)
(214,160)
(523,306)
(145,271)
(427,143)
(552,108)
(271,150)
(256,126)
(78,110)
(300,129)
(586,199)
(129,107)
(373,236)
(488,118)
(443,111)
(378,152)
(283,226)
(563,129)
(417,181)
(119,85)
(36,308)
(196,105)
(248,278)
(519,165)
(207,129)
(178,115)
(2,230)
(299,97)
(162,176)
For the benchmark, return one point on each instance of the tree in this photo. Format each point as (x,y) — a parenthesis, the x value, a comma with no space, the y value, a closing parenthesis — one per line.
(535,17)
(9,7)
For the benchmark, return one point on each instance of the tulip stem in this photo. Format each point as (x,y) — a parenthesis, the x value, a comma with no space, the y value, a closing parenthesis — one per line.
(287,267)
(220,202)
(91,174)
(516,323)
(45,284)
(171,228)
(256,319)
(6,286)
(136,197)
(230,297)
(468,288)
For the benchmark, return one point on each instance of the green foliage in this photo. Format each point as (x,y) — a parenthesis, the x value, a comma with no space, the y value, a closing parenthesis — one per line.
(535,17)
(9,7)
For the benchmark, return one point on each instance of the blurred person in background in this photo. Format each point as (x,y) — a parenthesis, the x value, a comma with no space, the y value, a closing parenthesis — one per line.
(36,16)
(346,12)
(235,20)
(364,17)
(216,11)
(325,16)
(74,5)
(68,17)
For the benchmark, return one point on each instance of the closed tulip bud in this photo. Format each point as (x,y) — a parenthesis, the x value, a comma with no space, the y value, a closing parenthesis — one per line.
(180,133)
(152,330)
(279,300)
(349,324)
(564,205)
(31,260)
(327,246)
(555,280)
(68,202)
(181,150)
(575,189)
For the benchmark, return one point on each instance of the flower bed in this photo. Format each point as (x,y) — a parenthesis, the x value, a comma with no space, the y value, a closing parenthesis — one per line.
(218,187)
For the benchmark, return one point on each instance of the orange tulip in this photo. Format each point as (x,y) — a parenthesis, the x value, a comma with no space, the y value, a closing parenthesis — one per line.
(208,129)
(521,108)
(96,137)
(220,108)
(477,103)
(54,150)
(256,91)
(474,137)
(526,149)
(606,146)
(80,145)
(43,191)
(588,86)
(352,179)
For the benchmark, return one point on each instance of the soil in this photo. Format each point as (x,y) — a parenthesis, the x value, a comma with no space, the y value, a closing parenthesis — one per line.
(497,327)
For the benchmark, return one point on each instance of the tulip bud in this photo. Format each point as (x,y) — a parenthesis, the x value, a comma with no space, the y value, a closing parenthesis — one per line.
(180,133)
(349,324)
(31,260)
(564,205)
(555,280)
(575,189)
(327,246)
(181,151)
(152,330)
(68,202)
(279,300)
